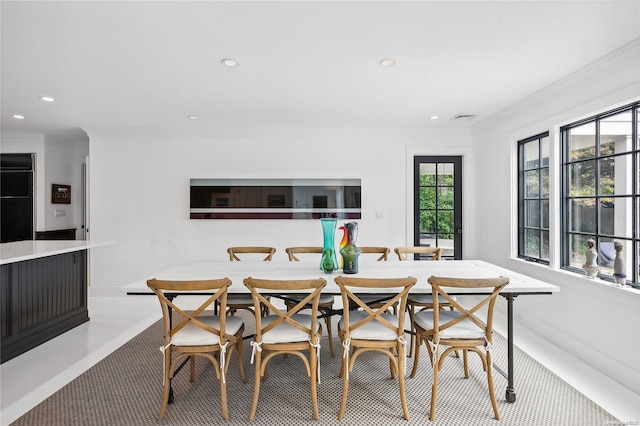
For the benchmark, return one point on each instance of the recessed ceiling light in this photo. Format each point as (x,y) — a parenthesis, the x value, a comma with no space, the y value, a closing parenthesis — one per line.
(434,117)
(18,116)
(230,62)
(47,98)
(388,62)
(192,117)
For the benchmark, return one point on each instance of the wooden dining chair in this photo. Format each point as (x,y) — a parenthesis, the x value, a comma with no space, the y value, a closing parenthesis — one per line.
(433,253)
(287,332)
(234,251)
(189,333)
(459,329)
(420,302)
(325,305)
(382,251)
(292,251)
(244,301)
(373,329)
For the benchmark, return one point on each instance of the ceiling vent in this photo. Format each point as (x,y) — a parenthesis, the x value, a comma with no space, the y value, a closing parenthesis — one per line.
(463,117)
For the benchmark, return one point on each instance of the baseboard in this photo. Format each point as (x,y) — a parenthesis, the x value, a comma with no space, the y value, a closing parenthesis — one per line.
(620,401)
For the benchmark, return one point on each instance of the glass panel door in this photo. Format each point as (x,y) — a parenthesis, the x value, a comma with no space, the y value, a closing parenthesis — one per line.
(438,204)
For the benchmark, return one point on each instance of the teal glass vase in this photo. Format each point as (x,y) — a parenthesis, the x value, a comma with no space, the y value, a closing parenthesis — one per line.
(329,261)
(350,252)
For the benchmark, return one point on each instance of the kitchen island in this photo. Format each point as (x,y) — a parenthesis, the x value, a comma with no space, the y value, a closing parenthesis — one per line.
(43,292)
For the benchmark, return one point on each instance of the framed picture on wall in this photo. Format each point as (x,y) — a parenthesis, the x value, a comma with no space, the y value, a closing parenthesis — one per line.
(60,194)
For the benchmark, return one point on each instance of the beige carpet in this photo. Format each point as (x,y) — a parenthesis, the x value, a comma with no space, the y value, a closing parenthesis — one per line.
(125,388)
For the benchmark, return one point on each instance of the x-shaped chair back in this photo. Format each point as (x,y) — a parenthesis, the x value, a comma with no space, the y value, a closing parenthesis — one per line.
(382,251)
(438,284)
(292,251)
(234,251)
(260,287)
(435,252)
(396,289)
(161,288)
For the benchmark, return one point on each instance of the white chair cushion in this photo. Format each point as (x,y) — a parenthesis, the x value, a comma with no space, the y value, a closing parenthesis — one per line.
(192,335)
(373,330)
(424,299)
(285,332)
(324,298)
(463,330)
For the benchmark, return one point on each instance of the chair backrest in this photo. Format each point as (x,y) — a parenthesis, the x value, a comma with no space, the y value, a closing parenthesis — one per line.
(164,289)
(437,284)
(292,251)
(382,251)
(311,289)
(434,252)
(397,288)
(234,251)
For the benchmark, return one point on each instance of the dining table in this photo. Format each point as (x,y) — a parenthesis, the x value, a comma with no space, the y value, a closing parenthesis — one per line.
(519,284)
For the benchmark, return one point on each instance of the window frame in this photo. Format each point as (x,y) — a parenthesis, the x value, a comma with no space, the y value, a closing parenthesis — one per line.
(566,163)
(522,226)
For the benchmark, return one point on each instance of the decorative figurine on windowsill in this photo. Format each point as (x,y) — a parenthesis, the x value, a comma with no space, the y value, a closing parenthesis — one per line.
(590,266)
(618,265)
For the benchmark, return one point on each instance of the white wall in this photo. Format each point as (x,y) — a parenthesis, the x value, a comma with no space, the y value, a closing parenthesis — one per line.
(140,191)
(63,166)
(593,320)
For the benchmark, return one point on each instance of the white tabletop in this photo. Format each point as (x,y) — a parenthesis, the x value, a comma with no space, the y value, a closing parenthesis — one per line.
(19,251)
(422,270)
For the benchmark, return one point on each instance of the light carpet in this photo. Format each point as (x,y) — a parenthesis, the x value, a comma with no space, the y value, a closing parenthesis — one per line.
(125,389)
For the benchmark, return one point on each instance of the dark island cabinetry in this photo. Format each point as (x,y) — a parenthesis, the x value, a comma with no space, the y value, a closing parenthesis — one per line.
(41,298)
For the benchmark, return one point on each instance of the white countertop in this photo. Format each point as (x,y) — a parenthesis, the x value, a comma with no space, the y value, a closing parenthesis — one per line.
(19,251)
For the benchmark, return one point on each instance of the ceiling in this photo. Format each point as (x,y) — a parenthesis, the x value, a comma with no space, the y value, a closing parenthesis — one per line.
(150,65)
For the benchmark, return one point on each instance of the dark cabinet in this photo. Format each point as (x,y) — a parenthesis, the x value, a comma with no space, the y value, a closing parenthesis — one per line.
(40,299)
(16,197)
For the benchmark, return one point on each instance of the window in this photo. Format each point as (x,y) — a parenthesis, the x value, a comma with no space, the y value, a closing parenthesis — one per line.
(600,181)
(533,198)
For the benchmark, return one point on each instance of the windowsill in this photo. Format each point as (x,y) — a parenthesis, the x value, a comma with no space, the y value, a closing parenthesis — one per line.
(568,279)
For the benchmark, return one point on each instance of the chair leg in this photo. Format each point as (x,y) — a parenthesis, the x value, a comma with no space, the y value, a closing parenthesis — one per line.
(412,308)
(239,345)
(192,364)
(403,397)
(223,400)
(434,386)
(492,393)
(167,383)
(314,382)
(327,321)
(345,388)
(256,386)
(465,356)
(341,374)
(416,357)
(392,365)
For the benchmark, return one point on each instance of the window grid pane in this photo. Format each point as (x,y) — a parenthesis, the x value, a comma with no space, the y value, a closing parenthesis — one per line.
(601,180)
(533,198)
